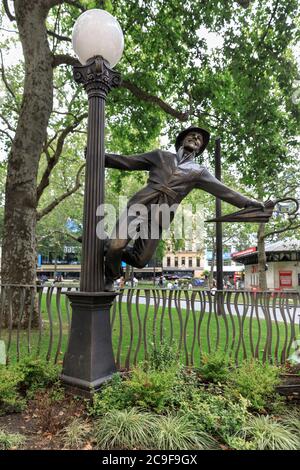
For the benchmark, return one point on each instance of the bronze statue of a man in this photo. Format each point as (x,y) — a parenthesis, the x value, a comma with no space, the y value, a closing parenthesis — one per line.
(171,178)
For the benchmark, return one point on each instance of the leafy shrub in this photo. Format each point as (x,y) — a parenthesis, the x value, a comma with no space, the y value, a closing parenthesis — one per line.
(20,381)
(37,374)
(256,382)
(218,413)
(152,389)
(10,399)
(162,357)
(268,434)
(179,433)
(239,443)
(10,441)
(76,434)
(147,389)
(112,395)
(213,368)
(126,429)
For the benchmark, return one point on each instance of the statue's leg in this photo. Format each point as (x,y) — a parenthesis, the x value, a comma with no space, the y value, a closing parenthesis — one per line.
(114,250)
(113,258)
(141,253)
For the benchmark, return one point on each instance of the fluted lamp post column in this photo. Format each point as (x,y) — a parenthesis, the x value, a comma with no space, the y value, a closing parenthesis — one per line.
(98,43)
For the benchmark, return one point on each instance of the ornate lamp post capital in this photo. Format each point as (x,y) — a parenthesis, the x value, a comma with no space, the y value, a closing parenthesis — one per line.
(97,77)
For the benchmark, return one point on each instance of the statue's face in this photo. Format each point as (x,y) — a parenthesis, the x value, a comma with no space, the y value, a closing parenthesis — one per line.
(193,142)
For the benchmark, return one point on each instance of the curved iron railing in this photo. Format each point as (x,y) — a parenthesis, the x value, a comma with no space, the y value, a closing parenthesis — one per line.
(238,324)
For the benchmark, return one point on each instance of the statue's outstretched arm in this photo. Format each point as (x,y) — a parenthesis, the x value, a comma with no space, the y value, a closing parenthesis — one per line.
(142,161)
(212,185)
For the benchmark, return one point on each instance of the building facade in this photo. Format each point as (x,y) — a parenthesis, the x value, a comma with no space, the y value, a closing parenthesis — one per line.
(283,265)
(184,262)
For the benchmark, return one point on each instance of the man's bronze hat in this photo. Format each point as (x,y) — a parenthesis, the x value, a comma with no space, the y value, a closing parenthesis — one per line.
(185,132)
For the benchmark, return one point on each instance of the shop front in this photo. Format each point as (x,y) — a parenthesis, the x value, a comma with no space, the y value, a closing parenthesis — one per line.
(282,268)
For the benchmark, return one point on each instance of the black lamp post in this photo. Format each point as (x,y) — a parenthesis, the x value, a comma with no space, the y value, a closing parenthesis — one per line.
(89,361)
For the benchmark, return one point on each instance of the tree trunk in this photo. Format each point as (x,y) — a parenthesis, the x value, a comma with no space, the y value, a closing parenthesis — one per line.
(19,238)
(262,259)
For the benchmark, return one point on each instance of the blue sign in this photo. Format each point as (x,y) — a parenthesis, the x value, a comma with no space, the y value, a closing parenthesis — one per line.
(123,264)
(39,261)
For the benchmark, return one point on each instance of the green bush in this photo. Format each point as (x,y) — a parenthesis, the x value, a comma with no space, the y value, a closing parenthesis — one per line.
(19,382)
(256,382)
(266,433)
(125,429)
(37,374)
(163,357)
(179,433)
(218,413)
(239,443)
(111,396)
(10,399)
(10,441)
(213,368)
(151,390)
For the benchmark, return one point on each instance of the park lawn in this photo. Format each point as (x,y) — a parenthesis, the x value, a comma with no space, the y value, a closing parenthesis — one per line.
(150,327)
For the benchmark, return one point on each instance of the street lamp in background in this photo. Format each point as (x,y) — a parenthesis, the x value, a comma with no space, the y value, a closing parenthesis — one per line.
(98,42)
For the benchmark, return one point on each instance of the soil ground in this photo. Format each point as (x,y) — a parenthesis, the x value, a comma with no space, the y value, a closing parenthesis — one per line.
(42,422)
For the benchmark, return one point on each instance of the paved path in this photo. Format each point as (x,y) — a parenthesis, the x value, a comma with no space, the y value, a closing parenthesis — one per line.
(260,311)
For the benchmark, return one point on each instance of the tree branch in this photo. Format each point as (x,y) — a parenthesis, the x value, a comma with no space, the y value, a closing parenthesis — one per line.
(290,191)
(7,123)
(143,95)
(77,239)
(268,26)
(9,30)
(66,234)
(11,17)
(74,3)
(64,113)
(52,162)
(66,59)
(285,229)
(9,89)
(58,36)
(61,198)
(7,134)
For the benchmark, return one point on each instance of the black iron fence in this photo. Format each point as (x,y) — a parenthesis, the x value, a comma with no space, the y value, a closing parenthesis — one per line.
(237,324)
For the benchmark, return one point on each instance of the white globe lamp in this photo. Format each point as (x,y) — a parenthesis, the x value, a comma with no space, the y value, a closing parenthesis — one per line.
(98,33)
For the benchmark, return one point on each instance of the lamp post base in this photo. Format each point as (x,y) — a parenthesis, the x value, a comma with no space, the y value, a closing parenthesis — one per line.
(89,360)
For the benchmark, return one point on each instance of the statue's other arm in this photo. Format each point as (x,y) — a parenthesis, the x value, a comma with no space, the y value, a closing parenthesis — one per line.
(142,161)
(212,185)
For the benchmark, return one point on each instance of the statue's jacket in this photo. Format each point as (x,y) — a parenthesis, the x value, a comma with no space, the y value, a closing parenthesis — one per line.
(171,178)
